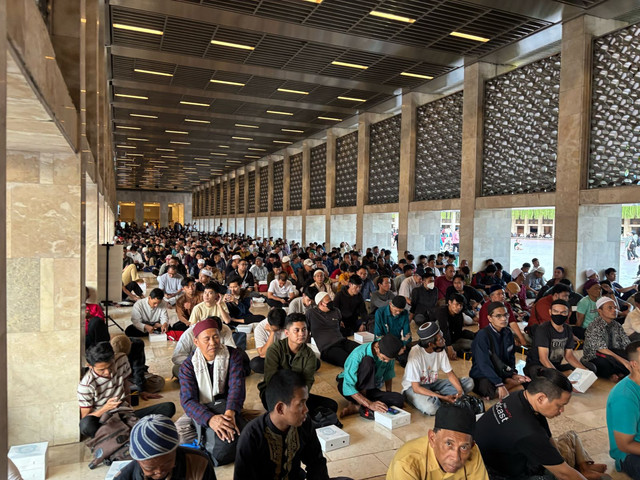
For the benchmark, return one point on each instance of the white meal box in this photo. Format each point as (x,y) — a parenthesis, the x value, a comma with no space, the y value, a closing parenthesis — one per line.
(364,337)
(582,379)
(332,438)
(31,460)
(393,420)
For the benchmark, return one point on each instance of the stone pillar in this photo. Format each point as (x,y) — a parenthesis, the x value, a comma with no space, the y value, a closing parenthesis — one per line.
(286,189)
(491,237)
(330,185)
(598,243)
(407,167)
(343,229)
(376,230)
(164,213)
(306,190)
(424,236)
(315,227)
(245,213)
(270,204)
(363,176)
(91,236)
(293,225)
(139,213)
(4,223)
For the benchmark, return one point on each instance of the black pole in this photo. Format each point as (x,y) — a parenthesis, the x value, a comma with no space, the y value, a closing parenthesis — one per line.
(106,302)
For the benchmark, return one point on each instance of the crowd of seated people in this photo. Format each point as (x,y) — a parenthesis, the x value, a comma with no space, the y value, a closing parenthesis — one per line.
(317,299)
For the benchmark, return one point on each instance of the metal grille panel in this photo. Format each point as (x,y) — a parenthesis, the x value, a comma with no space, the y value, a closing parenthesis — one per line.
(225,193)
(218,197)
(439,149)
(295,187)
(614,156)
(521,130)
(347,170)
(384,161)
(241,180)
(251,207)
(318,177)
(278,169)
(264,189)
(232,196)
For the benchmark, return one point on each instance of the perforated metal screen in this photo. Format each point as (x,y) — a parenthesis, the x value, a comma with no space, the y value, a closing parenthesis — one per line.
(384,161)
(318,176)
(347,170)
(295,185)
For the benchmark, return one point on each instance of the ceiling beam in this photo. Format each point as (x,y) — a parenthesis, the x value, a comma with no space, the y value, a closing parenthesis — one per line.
(236,20)
(269,72)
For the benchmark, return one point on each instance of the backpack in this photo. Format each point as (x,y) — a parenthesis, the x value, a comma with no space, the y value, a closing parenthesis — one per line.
(475,404)
(111,441)
(323,417)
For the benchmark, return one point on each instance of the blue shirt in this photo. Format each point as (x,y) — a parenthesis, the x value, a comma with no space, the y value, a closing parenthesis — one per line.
(396,326)
(367,289)
(384,371)
(623,415)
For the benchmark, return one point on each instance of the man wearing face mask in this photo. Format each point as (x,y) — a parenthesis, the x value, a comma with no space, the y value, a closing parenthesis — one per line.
(553,342)
(424,297)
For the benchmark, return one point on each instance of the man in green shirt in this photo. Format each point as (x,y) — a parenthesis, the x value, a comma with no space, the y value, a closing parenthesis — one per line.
(367,367)
(293,353)
(586,310)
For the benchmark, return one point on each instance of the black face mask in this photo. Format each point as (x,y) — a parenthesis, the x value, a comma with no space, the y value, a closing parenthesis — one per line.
(330,305)
(559,319)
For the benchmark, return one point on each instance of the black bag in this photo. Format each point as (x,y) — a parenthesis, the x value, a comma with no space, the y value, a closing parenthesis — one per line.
(501,368)
(111,441)
(475,404)
(323,417)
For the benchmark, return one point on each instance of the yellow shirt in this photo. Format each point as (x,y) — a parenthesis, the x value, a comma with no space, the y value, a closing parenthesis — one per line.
(201,311)
(416,460)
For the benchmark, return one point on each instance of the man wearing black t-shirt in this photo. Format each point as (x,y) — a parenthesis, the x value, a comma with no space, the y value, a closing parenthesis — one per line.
(515,440)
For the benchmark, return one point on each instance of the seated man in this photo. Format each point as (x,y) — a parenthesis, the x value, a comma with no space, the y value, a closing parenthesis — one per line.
(605,342)
(212,305)
(352,307)
(104,389)
(212,391)
(367,285)
(383,295)
(366,369)
(443,282)
(424,298)
(515,439)
(394,319)
(540,311)
(496,294)
(281,291)
(171,284)
(324,321)
(553,342)
(239,302)
(409,284)
(148,315)
(184,305)
(449,318)
(259,271)
(472,298)
(448,451)
(623,293)
(277,443)
(293,353)
(623,417)
(154,448)
(631,324)
(420,384)
(268,331)
(493,367)
(305,302)
(535,281)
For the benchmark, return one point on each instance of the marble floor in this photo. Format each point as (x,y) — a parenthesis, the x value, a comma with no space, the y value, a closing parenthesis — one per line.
(372,446)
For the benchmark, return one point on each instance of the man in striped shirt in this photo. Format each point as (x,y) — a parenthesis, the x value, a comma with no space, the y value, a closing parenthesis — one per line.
(104,388)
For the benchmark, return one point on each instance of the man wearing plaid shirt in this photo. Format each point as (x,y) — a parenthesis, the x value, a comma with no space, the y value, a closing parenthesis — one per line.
(212,391)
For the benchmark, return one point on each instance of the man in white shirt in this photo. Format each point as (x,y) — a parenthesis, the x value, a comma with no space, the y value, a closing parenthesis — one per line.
(171,284)
(259,271)
(269,330)
(281,291)
(148,315)
(420,383)
(408,284)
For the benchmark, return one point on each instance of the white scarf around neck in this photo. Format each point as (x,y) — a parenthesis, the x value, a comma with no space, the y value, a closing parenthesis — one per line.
(209,389)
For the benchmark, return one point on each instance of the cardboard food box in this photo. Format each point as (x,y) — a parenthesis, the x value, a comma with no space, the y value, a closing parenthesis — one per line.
(363,337)
(394,418)
(332,438)
(158,337)
(31,460)
(582,379)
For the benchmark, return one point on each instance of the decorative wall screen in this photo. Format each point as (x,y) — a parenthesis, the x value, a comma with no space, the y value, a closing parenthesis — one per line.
(218,188)
(278,169)
(295,185)
(318,176)
(264,189)
(614,150)
(210,195)
(251,207)
(384,161)
(232,195)
(225,193)
(206,201)
(521,129)
(439,149)
(347,170)
(241,194)
(194,204)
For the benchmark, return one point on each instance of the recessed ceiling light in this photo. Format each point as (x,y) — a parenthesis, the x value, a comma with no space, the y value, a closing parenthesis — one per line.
(193,120)
(125,146)
(233,161)
(232,45)
(183,102)
(131,28)
(138,97)
(352,99)
(223,146)
(151,72)
(351,65)
(165,149)
(276,112)
(331,119)
(134,154)
(257,149)
(416,75)
(314,1)
(177,131)
(168,156)
(246,126)
(224,82)
(138,139)
(180,143)
(282,141)
(203,164)
(241,138)
(299,92)
(218,154)
(391,16)
(469,37)
(252,156)
(292,130)
(201,158)
(128,128)
(141,115)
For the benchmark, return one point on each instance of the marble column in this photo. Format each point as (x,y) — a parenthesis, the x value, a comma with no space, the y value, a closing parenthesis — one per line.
(491,238)
(294,229)
(4,223)
(286,190)
(306,190)
(139,208)
(598,239)
(330,184)
(270,196)
(424,233)
(407,167)
(91,236)
(315,229)
(376,230)
(343,229)
(362,198)
(164,214)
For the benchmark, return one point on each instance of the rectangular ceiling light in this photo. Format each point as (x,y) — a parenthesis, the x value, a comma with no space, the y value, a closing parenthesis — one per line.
(168,156)
(223,146)
(180,143)
(152,72)
(252,156)
(241,138)
(299,92)
(165,149)
(218,154)
(232,45)
(193,120)
(131,28)
(134,154)
(196,104)
(201,158)
(292,130)
(233,161)
(352,99)
(246,126)
(177,131)
(331,118)
(128,128)
(224,82)
(416,75)
(391,16)
(138,139)
(276,112)
(469,37)
(125,146)
(140,115)
(351,65)
(257,149)
(202,164)
(282,141)
(138,97)
(314,1)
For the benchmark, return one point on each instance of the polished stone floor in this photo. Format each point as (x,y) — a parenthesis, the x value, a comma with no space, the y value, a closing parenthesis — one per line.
(372,446)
